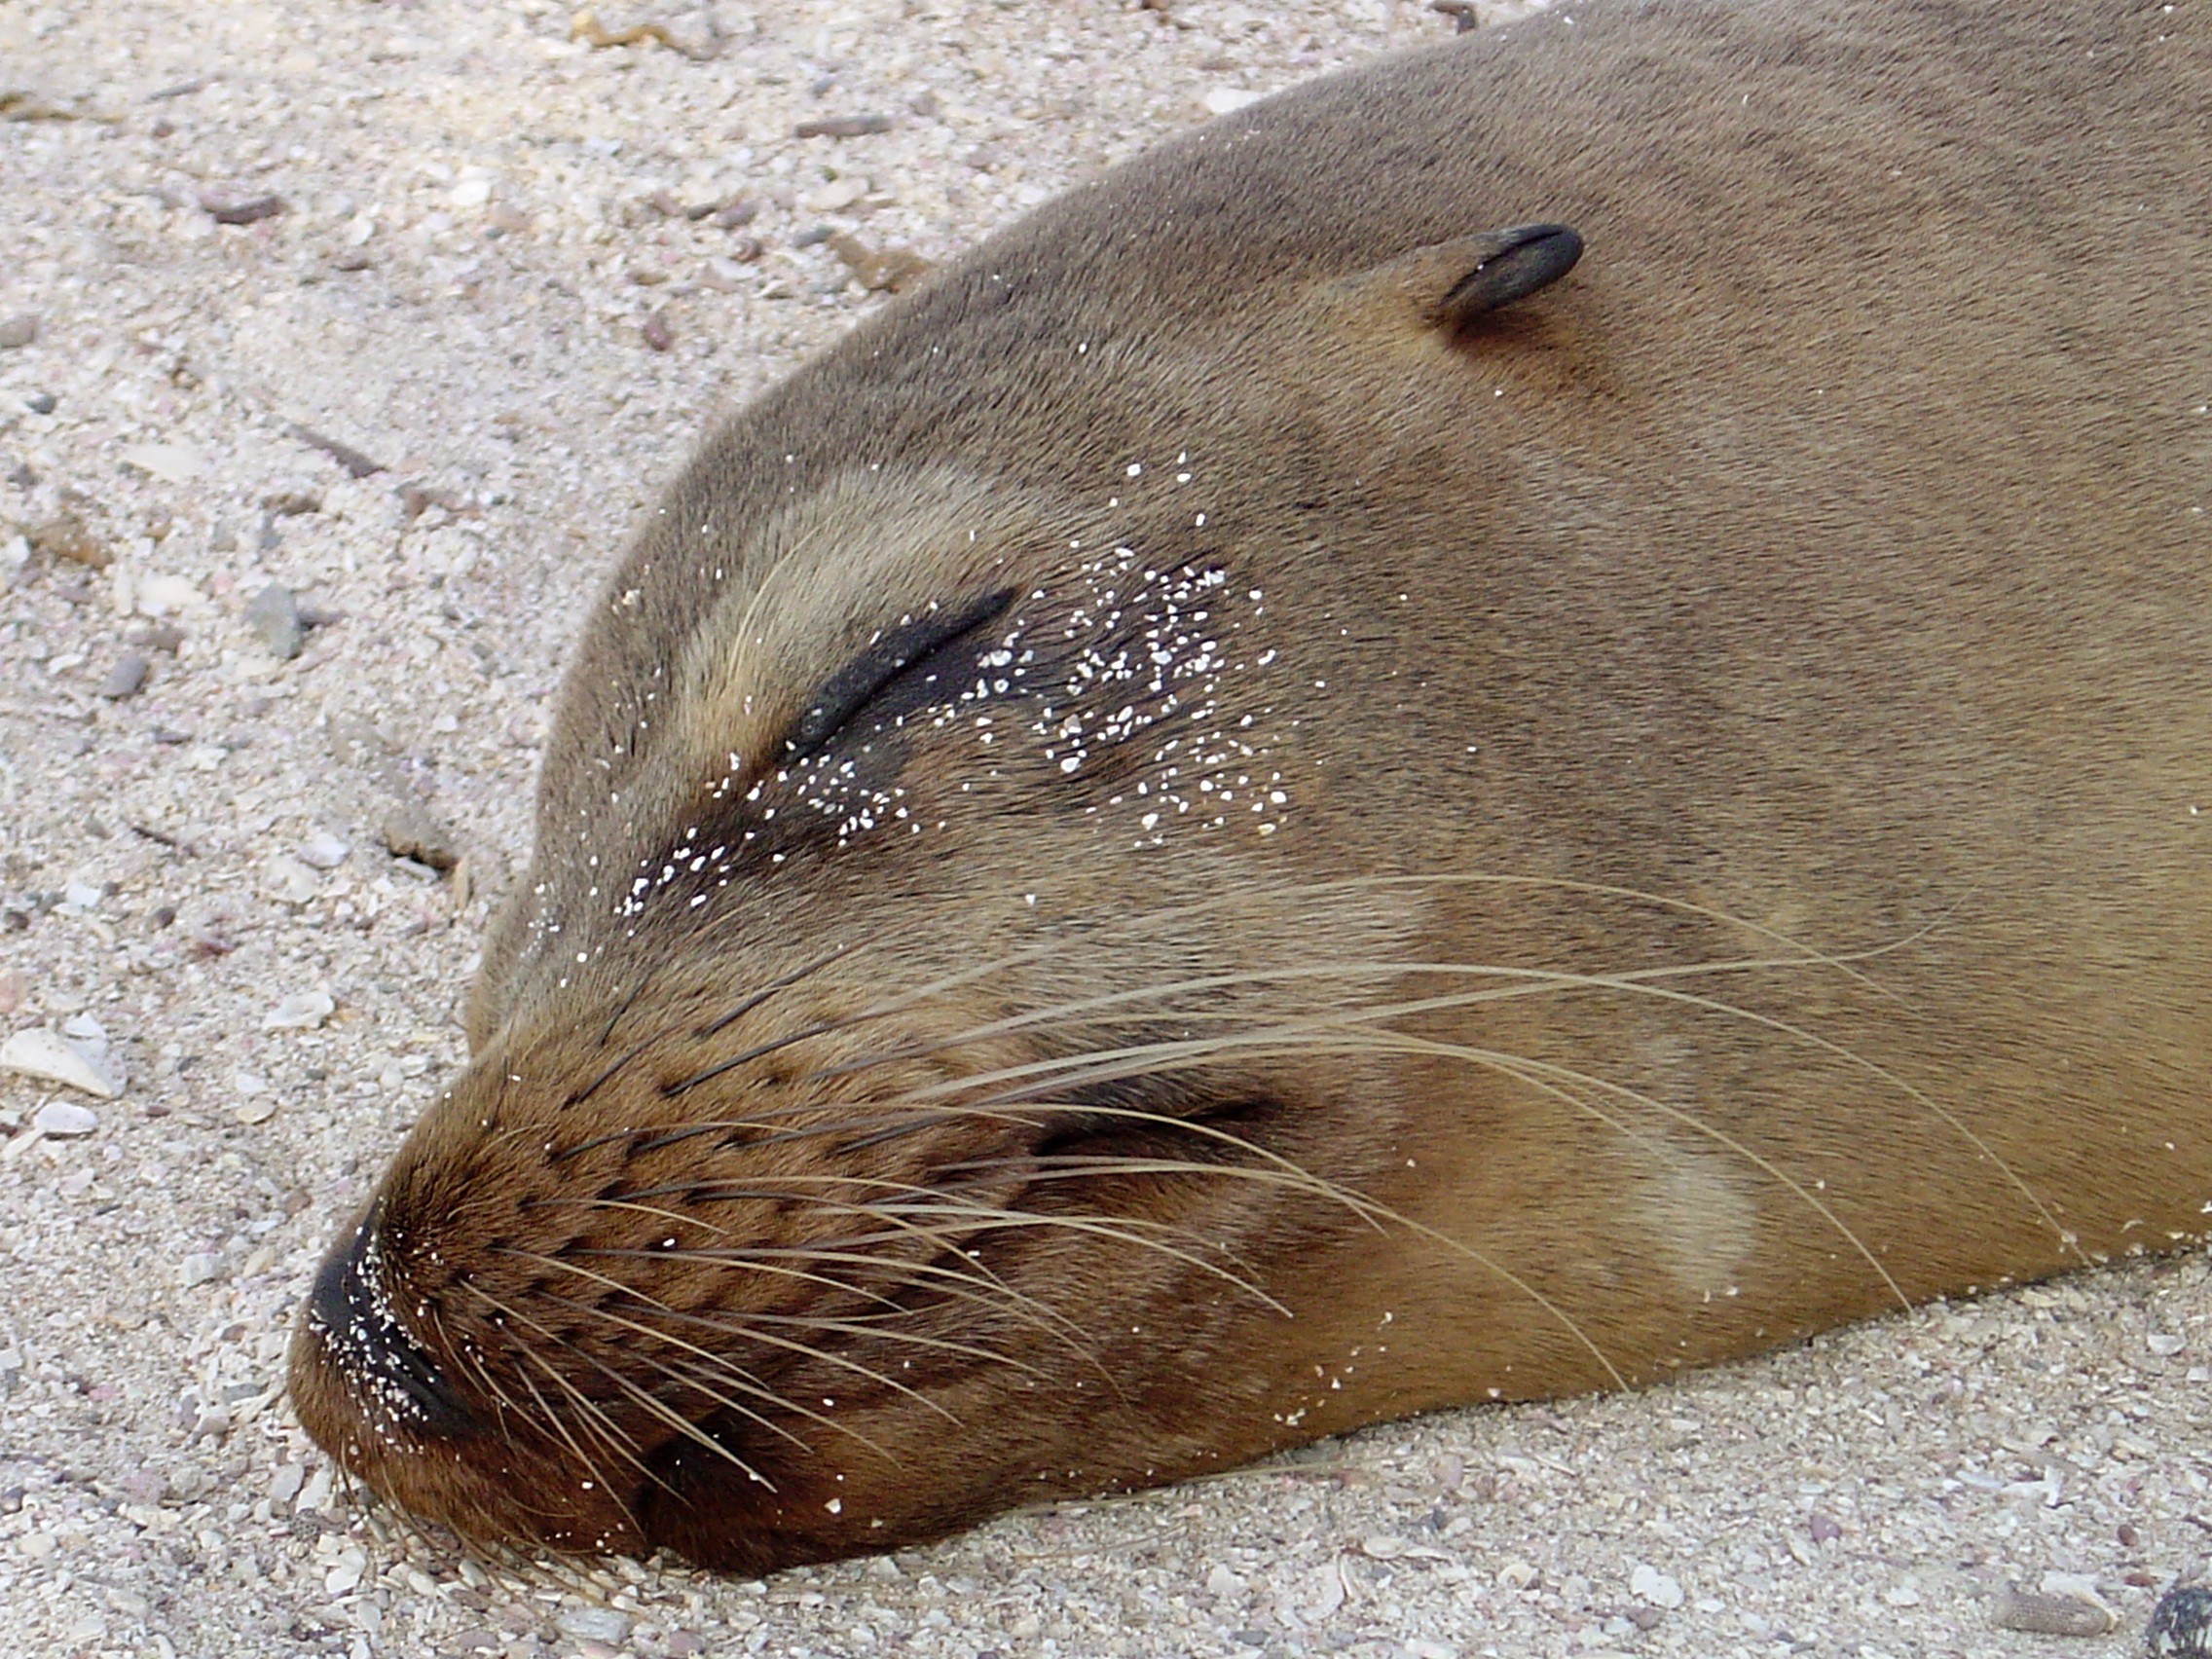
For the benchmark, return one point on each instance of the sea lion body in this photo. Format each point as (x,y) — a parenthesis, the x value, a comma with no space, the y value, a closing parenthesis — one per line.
(1192,839)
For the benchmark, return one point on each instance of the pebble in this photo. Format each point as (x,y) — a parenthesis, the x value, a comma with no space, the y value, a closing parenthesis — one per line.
(235,210)
(127,678)
(274,618)
(892,268)
(302,1011)
(66,537)
(842,127)
(323,851)
(157,637)
(290,881)
(409,831)
(344,1575)
(201,1267)
(258,1110)
(594,1624)
(19,331)
(2040,1612)
(657,332)
(81,1065)
(839,193)
(13,989)
(1228,100)
(1649,1584)
(64,1117)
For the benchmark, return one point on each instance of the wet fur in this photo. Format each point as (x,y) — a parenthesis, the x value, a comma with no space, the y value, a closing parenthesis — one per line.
(1741,717)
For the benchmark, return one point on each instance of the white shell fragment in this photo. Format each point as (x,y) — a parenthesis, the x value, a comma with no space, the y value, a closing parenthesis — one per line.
(323,851)
(42,1054)
(173,462)
(62,1118)
(286,877)
(302,1011)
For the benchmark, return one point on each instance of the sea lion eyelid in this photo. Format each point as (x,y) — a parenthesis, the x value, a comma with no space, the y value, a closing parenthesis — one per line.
(892,653)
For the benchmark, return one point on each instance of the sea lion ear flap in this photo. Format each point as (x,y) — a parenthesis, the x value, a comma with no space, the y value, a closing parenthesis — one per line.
(1509,264)
(1449,285)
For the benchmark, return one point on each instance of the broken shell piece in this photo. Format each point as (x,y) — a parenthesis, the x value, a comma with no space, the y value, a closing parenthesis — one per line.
(41,1054)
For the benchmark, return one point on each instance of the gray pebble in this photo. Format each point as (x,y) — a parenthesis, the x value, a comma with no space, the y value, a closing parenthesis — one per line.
(40,403)
(233,211)
(126,679)
(275,616)
(157,637)
(201,1267)
(843,126)
(19,331)
(408,831)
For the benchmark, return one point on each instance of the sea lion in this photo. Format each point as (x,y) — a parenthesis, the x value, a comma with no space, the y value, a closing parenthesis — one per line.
(1272,805)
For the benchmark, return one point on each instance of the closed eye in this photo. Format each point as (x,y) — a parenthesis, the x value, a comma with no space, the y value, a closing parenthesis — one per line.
(924,652)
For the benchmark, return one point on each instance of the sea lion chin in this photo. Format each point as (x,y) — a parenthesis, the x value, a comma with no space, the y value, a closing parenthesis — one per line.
(1272,805)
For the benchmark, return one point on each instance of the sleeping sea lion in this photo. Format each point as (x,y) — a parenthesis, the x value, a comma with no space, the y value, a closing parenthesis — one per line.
(1274,805)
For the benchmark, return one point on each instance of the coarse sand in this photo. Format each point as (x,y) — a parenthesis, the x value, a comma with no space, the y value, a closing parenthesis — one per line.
(250,251)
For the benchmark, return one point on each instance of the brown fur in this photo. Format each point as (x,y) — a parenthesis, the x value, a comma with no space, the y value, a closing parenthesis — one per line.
(1740,719)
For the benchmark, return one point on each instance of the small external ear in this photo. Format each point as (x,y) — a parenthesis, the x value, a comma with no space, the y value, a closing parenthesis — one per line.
(1512,265)
(1448,285)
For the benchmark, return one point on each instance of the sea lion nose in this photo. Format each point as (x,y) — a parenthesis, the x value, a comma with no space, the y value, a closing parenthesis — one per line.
(382,1364)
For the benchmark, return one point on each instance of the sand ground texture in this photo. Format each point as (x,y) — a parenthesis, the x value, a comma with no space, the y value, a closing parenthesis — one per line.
(515,270)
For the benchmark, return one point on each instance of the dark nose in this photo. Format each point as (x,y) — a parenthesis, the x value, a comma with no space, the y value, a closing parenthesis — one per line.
(351,1311)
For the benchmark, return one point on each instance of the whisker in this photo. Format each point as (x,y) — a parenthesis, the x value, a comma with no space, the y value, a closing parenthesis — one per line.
(784,984)
(789,1345)
(1527,981)
(675,1419)
(593,1419)
(996,1292)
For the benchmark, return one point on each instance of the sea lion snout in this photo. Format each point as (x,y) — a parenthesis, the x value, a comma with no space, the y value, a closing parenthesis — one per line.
(352,1319)
(731,1283)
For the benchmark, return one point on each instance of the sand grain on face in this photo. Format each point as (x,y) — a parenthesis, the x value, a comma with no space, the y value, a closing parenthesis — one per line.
(470,281)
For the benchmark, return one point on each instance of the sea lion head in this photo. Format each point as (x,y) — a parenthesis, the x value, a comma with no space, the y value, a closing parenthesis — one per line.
(904,1071)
